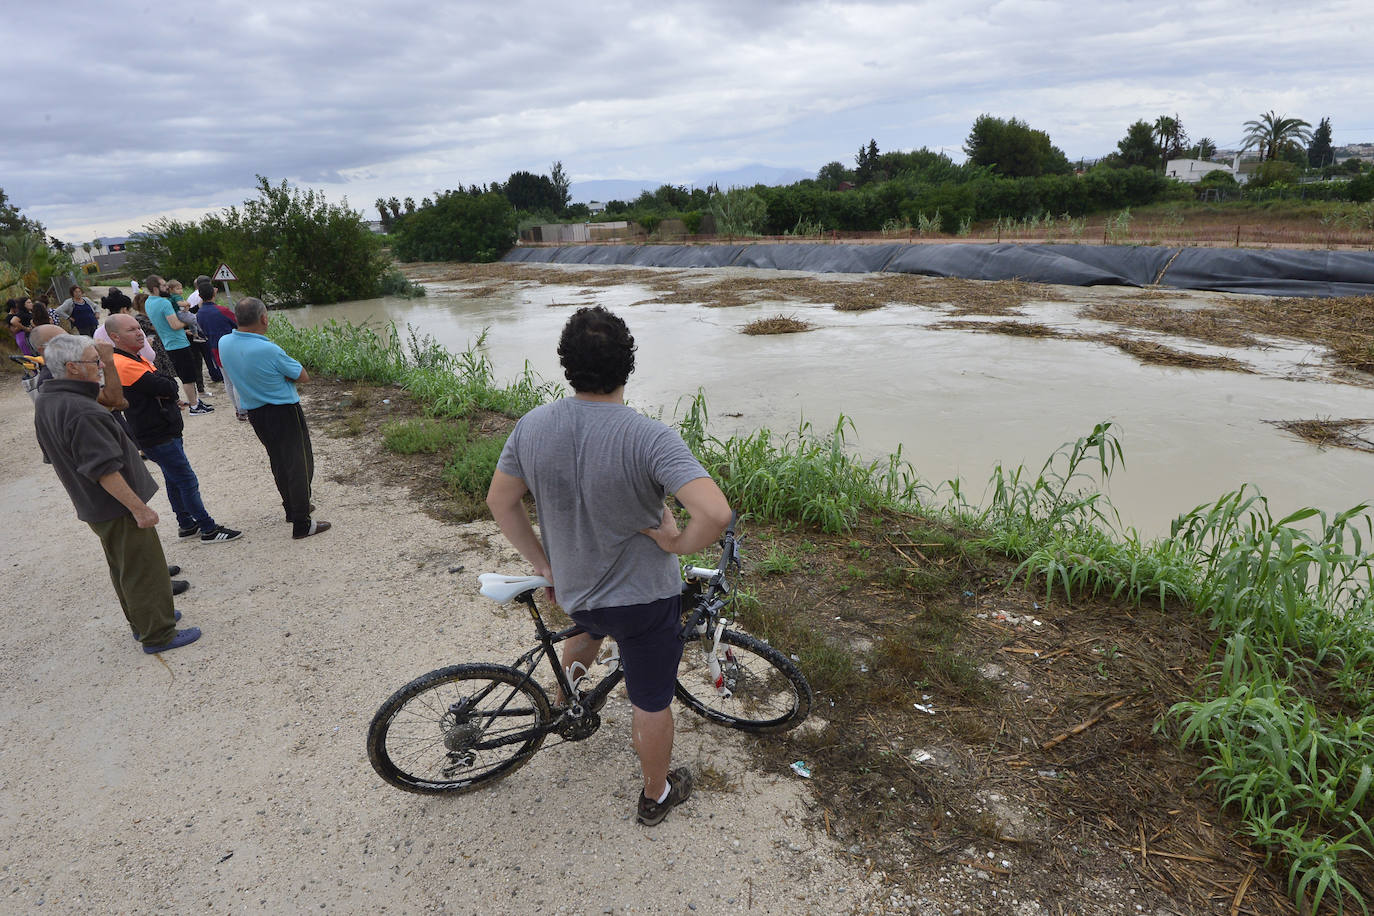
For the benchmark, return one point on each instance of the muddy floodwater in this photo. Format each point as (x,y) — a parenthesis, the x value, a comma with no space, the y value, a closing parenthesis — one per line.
(956,401)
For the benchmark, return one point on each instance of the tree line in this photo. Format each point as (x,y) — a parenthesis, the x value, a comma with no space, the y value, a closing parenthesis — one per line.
(1012,170)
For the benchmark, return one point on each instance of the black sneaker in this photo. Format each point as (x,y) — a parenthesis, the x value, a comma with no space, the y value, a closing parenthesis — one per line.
(679,790)
(201,408)
(220,533)
(179,586)
(185,533)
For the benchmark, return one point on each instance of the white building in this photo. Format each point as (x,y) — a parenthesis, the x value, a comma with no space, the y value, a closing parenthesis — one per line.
(1194,170)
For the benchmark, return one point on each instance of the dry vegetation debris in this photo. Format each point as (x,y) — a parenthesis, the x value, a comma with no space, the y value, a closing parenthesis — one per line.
(1208,325)
(1010,328)
(1326,433)
(1148,351)
(1345,324)
(777,324)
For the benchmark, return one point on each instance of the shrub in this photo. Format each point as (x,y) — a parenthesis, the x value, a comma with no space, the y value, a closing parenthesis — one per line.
(394,283)
(457,227)
(1274,172)
(1220,179)
(315,251)
(288,246)
(1362,188)
(739,211)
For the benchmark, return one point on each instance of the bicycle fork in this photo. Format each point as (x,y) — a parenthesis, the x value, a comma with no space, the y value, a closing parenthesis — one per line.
(710,647)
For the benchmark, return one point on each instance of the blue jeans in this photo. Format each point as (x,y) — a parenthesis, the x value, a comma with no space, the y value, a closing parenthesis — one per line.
(183,488)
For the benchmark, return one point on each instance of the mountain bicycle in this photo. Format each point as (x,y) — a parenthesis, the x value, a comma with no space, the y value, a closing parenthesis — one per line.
(463,727)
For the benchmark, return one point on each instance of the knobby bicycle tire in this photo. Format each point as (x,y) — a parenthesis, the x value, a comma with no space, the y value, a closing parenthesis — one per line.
(457,729)
(768,693)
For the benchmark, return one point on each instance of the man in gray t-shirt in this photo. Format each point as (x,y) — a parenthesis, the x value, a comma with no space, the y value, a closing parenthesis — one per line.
(599,472)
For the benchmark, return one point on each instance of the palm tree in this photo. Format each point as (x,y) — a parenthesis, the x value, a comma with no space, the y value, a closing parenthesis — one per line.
(1206,148)
(1171,137)
(1272,132)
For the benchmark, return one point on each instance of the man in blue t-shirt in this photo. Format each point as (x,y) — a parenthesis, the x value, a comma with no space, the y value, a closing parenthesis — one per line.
(171,330)
(599,472)
(265,380)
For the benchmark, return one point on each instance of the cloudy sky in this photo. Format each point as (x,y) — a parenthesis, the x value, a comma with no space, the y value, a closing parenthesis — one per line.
(129,111)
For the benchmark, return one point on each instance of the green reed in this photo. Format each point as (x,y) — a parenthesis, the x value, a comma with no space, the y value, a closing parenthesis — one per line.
(1281,718)
(446,384)
(802,476)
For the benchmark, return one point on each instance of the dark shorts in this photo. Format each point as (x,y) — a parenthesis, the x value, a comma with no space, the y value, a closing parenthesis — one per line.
(650,647)
(184,363)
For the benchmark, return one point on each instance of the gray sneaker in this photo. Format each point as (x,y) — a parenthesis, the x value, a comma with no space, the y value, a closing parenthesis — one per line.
(679,790)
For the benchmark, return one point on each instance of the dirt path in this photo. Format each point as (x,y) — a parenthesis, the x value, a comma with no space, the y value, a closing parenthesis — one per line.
(232,774)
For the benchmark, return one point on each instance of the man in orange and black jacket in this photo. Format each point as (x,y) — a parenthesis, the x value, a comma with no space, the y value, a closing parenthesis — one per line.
(154,415)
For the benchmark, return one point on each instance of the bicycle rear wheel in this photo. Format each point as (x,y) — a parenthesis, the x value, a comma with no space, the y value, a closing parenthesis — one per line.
(457,729)
(761,690)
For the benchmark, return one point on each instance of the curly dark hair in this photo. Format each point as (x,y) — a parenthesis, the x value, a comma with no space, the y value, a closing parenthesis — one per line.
(597,351)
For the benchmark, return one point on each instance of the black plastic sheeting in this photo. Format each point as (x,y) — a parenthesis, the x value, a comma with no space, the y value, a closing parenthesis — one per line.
(1267,272)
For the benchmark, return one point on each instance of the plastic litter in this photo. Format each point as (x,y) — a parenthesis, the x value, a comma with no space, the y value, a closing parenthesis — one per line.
(801,769)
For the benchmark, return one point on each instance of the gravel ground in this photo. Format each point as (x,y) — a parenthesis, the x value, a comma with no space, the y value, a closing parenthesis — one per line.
(231,775)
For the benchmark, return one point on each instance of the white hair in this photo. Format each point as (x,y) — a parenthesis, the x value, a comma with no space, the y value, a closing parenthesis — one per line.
(63,349)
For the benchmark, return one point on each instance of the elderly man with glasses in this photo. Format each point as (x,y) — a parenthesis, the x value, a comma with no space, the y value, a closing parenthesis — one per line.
(99,466)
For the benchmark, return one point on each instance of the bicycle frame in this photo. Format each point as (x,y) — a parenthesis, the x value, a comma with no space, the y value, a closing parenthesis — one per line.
(581,704)
(708,591)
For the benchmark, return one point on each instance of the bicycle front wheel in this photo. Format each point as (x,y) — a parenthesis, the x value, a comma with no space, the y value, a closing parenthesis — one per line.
(457,729)
(758,688)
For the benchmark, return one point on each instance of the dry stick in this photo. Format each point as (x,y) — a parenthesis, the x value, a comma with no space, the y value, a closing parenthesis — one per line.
(1160,276)
(1173,855)
(1081,726)
(903,552)
(1240,891)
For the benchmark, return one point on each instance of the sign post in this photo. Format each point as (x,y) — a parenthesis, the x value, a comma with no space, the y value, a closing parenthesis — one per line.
(224,275)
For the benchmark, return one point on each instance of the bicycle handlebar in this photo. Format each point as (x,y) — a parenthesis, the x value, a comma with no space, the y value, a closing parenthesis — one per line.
(717,587)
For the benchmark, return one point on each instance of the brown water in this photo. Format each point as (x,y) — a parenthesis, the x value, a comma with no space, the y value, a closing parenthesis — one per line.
(956,402)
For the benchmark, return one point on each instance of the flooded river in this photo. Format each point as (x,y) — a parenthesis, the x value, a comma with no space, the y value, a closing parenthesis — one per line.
(957,402)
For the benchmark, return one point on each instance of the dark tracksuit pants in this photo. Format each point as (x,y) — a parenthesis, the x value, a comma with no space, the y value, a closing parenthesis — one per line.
(282,431)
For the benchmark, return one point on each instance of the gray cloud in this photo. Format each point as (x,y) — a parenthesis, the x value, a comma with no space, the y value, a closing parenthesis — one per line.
(176,108)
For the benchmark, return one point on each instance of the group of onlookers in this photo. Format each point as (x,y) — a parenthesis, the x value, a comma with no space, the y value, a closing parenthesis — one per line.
(108,400)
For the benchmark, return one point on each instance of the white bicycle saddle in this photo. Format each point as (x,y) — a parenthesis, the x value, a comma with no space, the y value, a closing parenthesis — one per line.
(503,589)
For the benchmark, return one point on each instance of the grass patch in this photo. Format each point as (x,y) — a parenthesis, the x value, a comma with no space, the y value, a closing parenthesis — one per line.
(472,465)
(778,324)
(422,434)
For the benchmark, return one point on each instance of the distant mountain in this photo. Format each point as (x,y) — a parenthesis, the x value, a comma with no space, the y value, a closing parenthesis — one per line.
(745,176)
(584,192)
(749,175)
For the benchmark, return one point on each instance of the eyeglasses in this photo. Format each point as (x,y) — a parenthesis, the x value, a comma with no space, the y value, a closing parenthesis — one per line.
(98,361)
